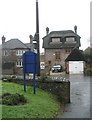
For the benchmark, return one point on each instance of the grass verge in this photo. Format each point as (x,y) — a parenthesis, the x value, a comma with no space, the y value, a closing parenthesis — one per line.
(41,105)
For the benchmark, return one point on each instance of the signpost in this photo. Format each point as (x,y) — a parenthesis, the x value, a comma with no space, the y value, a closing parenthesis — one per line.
(30,65)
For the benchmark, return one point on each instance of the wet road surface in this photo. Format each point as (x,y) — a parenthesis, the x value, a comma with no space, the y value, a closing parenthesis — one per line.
(80,98)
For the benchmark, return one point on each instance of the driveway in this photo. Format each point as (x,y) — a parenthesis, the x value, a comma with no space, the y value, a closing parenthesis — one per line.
(80,98)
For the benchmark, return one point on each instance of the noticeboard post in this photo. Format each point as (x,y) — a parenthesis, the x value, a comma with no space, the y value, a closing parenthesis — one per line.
(30,65)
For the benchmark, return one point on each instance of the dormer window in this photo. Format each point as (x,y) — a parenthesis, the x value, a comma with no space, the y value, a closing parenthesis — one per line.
(70,40)
(55,40)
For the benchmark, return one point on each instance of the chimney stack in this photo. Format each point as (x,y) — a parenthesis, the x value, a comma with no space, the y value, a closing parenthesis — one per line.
(75,29)
(3,39)
(31,38)
(47,30)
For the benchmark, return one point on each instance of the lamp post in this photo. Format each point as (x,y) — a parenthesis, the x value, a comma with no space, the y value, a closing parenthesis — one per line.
(37,36)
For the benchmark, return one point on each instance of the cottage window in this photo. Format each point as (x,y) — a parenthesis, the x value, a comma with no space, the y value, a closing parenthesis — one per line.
(57,55)
(67,50)
(55,40)
(23,51)
(49,62)
(20,52)
(19,63)
(5,52)
(70,40)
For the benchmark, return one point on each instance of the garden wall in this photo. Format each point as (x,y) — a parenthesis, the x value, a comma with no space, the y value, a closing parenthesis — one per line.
(60,88)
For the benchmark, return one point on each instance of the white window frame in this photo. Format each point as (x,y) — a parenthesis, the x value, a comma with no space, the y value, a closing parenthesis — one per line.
(42,65)
(20,52)
(19,63)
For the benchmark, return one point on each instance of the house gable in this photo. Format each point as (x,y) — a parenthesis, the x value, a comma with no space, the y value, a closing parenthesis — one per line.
(75,55)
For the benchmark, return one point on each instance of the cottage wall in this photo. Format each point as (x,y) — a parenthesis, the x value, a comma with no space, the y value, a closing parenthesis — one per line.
(50,57)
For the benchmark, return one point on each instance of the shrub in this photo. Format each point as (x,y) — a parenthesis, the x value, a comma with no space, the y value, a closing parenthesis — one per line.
(5,94)
(13,99)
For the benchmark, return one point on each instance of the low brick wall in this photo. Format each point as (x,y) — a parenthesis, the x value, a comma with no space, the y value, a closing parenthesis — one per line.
(61,89)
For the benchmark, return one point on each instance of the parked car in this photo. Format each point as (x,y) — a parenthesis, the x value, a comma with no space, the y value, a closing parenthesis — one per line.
(57,68)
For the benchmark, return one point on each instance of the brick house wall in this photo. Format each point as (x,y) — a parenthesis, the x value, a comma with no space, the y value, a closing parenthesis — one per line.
(50,57)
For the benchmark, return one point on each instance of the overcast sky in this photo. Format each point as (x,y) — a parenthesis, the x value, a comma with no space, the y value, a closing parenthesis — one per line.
(18,18)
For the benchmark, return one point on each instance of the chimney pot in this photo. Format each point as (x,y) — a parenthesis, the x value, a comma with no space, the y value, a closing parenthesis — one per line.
(47,30)
(31,38)
(75,29)
(3,39)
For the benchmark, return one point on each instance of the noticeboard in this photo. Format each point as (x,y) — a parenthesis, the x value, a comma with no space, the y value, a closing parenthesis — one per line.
(30,65)
(30,62)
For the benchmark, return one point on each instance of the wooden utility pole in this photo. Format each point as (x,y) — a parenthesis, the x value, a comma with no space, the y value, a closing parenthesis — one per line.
(37,36)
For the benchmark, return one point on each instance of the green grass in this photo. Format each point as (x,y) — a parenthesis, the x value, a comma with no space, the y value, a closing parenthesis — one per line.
(41,105)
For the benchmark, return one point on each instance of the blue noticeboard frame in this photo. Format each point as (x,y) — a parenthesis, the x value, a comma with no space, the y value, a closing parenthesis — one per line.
(30,65)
